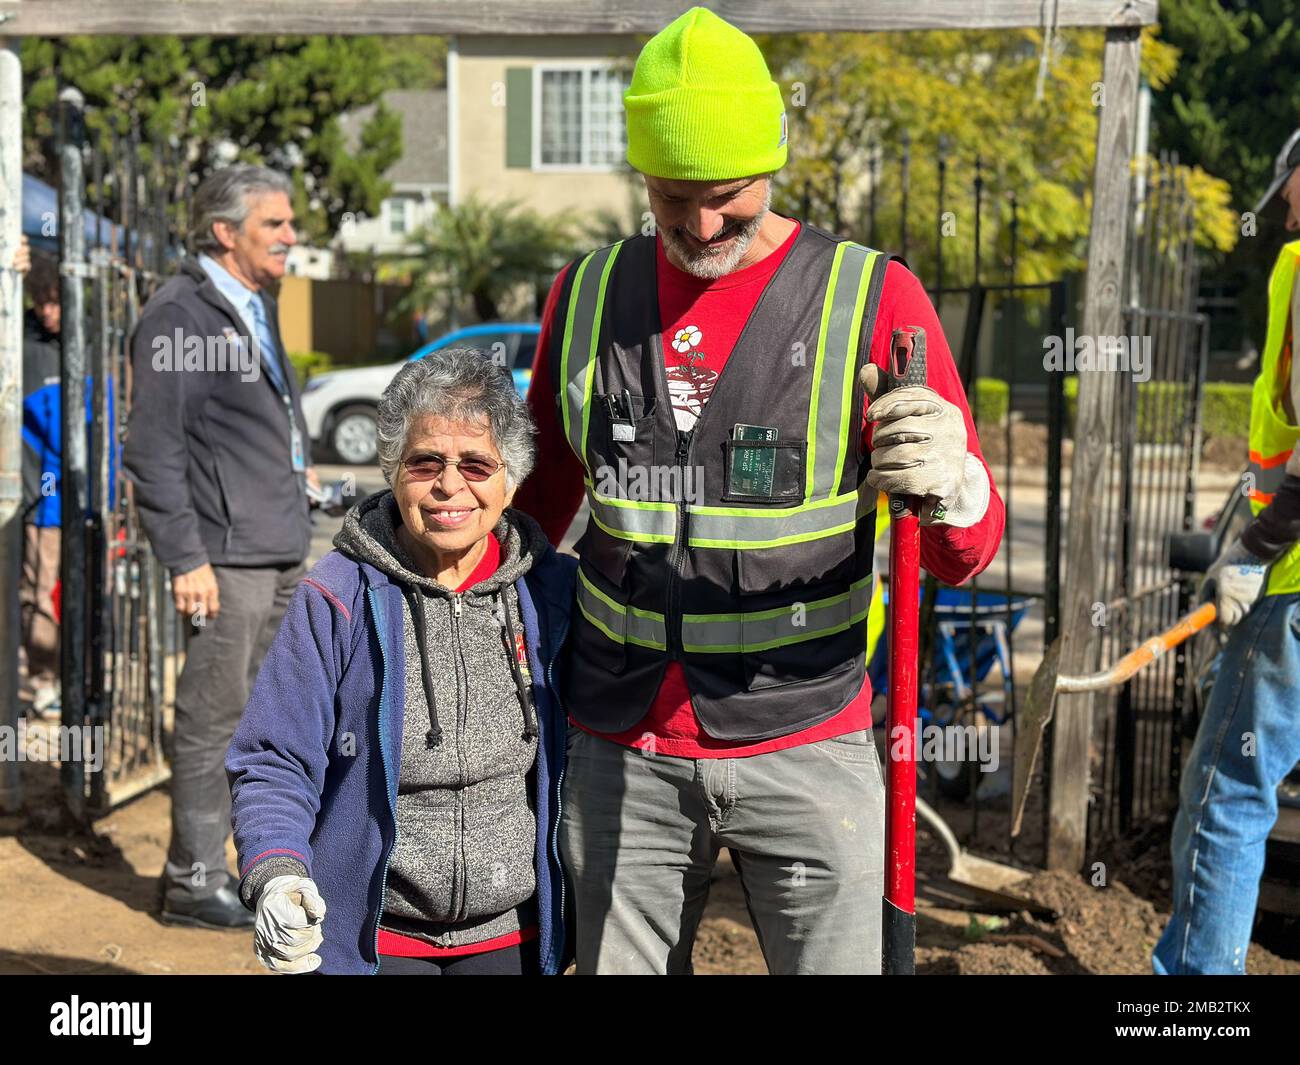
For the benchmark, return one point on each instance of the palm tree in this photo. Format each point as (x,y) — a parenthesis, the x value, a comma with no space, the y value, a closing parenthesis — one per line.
(477,251)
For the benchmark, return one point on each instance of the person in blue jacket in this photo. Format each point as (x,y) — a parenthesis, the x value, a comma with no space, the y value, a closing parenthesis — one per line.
(42,471)
(395,777)
(42,450)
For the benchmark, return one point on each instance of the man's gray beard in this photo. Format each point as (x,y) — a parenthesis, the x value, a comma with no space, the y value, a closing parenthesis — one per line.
(709,264)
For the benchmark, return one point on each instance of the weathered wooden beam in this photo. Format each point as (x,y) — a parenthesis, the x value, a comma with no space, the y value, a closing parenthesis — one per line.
(48,18)
(1093,438)
(11,407)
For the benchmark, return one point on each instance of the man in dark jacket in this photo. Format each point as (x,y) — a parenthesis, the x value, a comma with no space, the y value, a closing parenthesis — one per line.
(216,448)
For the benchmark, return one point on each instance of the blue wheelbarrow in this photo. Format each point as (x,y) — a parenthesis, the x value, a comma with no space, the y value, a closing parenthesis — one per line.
(950,680)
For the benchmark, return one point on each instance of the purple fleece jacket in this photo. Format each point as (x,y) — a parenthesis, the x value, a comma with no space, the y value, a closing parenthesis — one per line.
(313,766)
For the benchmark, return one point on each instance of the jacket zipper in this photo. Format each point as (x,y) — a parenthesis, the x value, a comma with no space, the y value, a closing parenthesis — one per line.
(559,777)
(383,882)
(672,617)
(462,902)
(225,500)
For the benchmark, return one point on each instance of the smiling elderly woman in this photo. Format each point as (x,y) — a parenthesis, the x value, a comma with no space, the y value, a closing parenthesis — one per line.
(400,755)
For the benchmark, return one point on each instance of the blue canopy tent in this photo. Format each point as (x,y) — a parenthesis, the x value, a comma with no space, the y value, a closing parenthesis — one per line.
(41,218)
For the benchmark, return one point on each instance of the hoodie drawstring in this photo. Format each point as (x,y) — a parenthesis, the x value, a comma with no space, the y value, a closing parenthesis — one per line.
(525,696)
(432,738)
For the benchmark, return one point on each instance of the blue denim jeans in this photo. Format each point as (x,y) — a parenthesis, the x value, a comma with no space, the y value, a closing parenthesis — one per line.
(1248,741)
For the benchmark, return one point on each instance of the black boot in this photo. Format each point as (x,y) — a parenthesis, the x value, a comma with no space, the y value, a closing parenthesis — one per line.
(220,910)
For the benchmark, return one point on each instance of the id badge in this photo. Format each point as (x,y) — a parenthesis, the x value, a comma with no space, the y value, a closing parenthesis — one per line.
(752,468)
(296,449)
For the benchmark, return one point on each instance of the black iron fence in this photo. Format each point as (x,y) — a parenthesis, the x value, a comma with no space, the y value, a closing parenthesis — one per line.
(1000,330)
(1151,494)
(122,205)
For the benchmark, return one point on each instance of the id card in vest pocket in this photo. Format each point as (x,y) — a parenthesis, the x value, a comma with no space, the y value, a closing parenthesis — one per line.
(763,471)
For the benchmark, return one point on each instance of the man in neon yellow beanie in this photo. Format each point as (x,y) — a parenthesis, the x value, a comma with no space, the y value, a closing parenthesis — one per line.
(704,387)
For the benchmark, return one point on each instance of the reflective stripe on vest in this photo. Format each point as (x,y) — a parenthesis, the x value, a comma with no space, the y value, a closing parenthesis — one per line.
(831,423)
(1267,473)
(837,347)
(762,630)
(758,630)
(620,623)
(627,519)
(738,528)
(581,335)
(1272,437)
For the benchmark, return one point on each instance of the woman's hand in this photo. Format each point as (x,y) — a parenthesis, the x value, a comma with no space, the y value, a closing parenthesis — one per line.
(290,912)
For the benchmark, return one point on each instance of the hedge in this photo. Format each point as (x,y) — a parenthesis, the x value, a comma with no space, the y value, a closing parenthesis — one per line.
(992,396)
(310,363)
(1225,409)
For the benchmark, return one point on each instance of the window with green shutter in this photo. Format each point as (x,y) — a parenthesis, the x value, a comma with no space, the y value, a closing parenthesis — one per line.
(519,116)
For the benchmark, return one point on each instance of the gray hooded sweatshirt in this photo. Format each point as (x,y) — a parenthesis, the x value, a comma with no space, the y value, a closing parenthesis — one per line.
(462,867)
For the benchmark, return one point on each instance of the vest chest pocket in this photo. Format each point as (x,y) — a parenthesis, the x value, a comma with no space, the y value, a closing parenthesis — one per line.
(623,450)
(763,471)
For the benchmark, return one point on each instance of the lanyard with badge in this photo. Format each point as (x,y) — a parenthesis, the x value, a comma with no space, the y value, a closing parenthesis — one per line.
(297,450)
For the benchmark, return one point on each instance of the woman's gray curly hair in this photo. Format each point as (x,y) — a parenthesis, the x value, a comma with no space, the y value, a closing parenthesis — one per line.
(460,385)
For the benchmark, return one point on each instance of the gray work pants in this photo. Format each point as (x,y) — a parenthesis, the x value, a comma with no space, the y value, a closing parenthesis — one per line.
(640,834)
(221,662)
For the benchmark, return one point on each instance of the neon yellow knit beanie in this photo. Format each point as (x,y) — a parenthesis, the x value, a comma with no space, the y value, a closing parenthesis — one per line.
(702,105)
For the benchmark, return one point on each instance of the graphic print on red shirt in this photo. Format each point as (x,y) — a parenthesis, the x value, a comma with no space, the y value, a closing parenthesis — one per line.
(690,382)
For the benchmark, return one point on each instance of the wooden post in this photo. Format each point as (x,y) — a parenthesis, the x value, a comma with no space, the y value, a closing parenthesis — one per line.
(11,406)
(1089,473)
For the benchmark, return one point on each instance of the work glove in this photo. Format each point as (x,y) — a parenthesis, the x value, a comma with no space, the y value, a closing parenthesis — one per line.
(290,912)
(1239,578)
(918,448)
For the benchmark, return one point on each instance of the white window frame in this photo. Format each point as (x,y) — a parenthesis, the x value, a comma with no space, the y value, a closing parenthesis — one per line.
(585,68)
(408,222)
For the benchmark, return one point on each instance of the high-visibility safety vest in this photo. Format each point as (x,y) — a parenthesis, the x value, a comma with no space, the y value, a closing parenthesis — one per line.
(1272,437)
(758,585)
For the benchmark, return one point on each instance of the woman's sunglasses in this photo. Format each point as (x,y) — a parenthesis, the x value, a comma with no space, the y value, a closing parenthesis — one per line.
(428,467)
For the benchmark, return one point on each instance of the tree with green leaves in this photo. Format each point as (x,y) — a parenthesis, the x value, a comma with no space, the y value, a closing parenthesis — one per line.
(1229,107)
(1029,114)
(277,100)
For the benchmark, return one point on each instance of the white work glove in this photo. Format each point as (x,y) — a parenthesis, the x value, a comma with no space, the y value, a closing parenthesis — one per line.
(1239,578)
(918,448)
(288,930)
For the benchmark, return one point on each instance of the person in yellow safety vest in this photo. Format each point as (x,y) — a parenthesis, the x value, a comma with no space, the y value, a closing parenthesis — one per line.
(705,387)
(876,612)
(1249,739)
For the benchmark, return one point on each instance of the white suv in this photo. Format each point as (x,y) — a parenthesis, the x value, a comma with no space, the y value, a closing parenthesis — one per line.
(340,405)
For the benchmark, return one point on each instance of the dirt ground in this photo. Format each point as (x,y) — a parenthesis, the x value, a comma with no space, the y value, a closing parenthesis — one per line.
(81,903)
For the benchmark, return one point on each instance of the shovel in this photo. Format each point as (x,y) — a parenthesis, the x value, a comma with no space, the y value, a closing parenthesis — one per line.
(906,367)
(979,877)
(975,882)
(1043,689)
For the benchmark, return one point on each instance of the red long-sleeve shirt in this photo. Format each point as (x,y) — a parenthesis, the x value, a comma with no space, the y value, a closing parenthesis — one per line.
(702,321)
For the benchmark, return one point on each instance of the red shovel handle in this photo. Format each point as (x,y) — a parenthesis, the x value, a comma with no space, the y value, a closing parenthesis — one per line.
(907,367)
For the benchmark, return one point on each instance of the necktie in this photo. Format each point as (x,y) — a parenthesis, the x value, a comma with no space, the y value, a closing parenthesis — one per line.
(266,345)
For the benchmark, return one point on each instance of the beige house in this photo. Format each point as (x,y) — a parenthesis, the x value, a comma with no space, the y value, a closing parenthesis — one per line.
(418,178)
(540,120)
